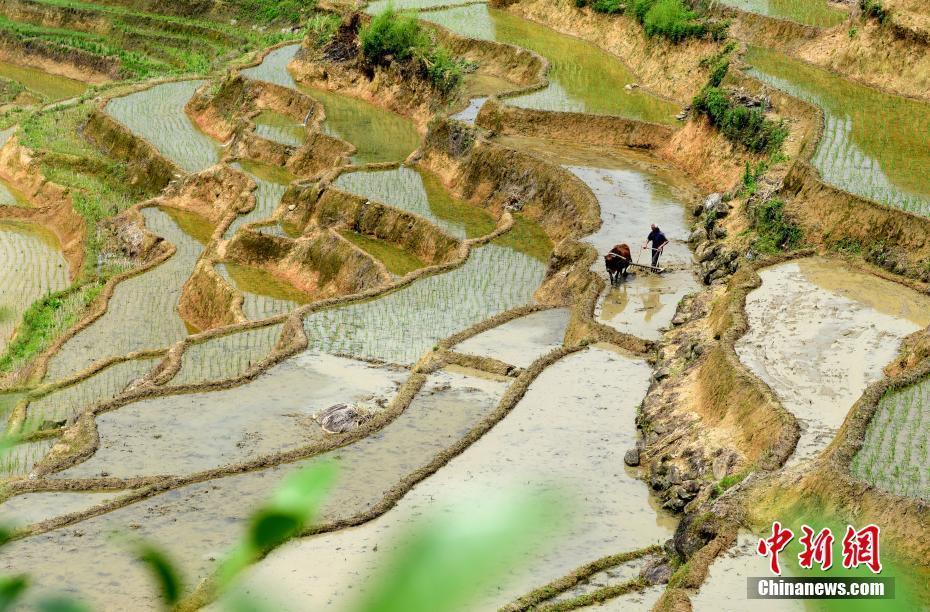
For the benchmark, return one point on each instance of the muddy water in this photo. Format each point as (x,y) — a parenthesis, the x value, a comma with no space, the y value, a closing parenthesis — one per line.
(227,356)
(142,314)
(542,441)
(724,589)
(874,144)
(378,134)
(21,458)
(809,12)
(31,266)
(37,507)
(819,334)
(157,114)
(264,295)
(280,128)
(470,113)
(271,184)
(631,200)
(401,326)
(202,521)
(50,86)
(102,386)
(894,455)
(583,78)
(183,434)
(421,193)
(522,341)
(610,577)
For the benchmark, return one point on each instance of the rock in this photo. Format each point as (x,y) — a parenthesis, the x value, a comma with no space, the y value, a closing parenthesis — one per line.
(49,424)
(721,466)
(340,418)
(710,251)
(698,236)
(656,571)
(692,534)
(674,475)
(661,374)
(720,233)
(291,207)
(714,204)
(631,458)
(674,503)
(631,86)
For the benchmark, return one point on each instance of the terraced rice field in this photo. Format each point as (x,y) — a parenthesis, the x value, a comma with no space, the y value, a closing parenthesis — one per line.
(33,266)
(142,314)
(47,86)
(378,135)
(582,78)
(894,455)
(539,441)
(874,144)
(819,334)
(421,193)
(133,43)
(226,356)
(157,115)
(818,13)
(203,519)
(400,326)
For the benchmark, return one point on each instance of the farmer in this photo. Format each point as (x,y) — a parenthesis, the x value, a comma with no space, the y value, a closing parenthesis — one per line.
(658,240)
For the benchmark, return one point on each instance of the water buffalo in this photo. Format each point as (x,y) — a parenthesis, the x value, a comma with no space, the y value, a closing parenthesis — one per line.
(617,261)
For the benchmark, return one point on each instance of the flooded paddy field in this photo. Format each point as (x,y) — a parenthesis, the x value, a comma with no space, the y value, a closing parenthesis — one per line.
(184,434)
(226,356)
(819,13)
(50,87)
(540,441)
(142,314)
(582,78)
(32,266)
(819,334)
(521,341)
(280,128)
(421,193)
(873,145)
(203,520)
(894,455)
(402,325)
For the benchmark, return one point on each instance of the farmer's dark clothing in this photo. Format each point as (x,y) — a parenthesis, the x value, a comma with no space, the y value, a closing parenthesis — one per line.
(657,238)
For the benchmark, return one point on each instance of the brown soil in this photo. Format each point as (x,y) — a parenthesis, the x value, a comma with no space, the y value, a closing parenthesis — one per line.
(52,206)
(207,301)
(213,194)
(74,63)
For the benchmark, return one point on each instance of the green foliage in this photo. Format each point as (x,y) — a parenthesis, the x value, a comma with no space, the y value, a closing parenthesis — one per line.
(292,508)
(746,126)
(750,181)
(775,232)
(163,570)
(322,26)
(390,34)
(874,9)
(11,589)
(611,7)
(44,321)
(394,37)
(278,11)
(726,482)
(848,245)
(448,563)
(669,18)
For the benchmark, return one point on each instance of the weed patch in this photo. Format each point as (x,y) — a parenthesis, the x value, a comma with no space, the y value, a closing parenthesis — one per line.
(745,126)
(775,232)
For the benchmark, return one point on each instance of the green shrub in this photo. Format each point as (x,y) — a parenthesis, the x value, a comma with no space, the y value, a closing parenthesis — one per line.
(401,38)
(390,34)
(673,20)
(611,7)
(775,232)
(875,10)
(746,126)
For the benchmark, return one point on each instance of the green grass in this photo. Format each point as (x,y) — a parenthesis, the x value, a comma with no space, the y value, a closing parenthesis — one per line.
(745,126)
(99,186)
(775,232)
(45,320)
(395,259)
(9,90)
(392,36)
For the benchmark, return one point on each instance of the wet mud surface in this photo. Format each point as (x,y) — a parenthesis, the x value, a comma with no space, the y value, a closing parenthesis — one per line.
(819,334)
(578,416)
(522,341)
